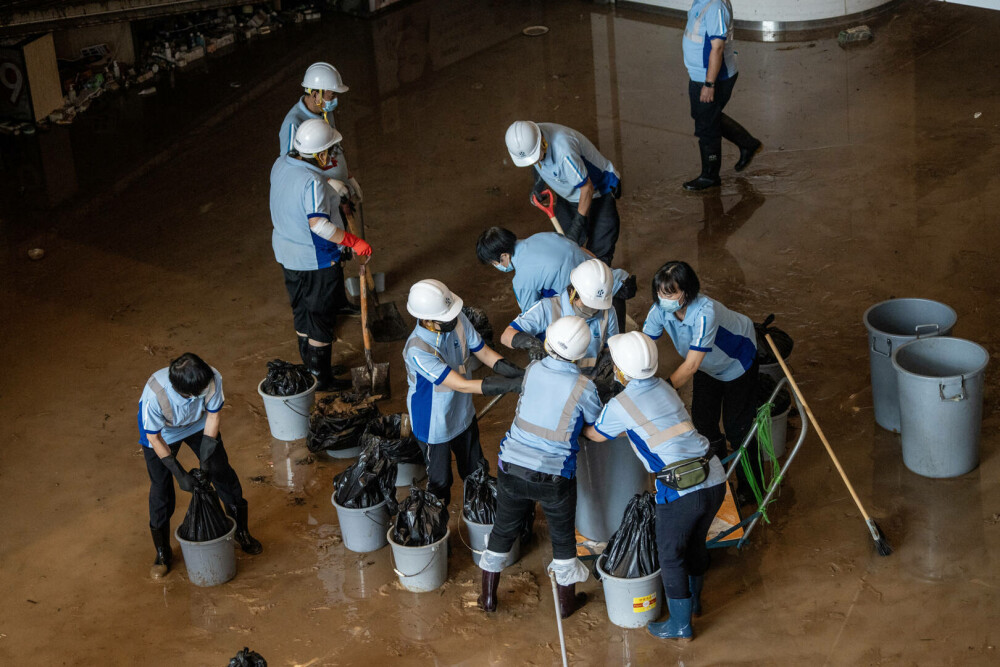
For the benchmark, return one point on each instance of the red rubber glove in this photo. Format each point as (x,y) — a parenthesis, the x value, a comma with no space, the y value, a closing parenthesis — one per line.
(358,245)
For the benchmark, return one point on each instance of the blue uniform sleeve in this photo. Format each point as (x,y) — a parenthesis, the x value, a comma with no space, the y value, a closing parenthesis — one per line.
(609,422)
(653,326)
(705,329)
(150,415)
(218,399)
(429,365)
(526,293)
(574,170)
(472,337)
(535,320)
(286,136)
(590,404)
(319,200)
(620,276)
(716,19)
(612,326)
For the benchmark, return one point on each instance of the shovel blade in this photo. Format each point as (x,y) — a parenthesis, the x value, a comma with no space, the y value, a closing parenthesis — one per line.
(374,382)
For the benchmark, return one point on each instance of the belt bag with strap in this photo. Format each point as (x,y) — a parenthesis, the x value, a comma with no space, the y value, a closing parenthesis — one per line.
(684,474)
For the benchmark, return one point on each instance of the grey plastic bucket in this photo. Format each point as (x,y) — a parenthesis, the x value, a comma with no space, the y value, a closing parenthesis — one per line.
(890,325)
(479,540)
(608,474)
(420,569)
(940,404)
(210,563)
(410,473)
(779,431)
(288,416)
(363,530)
(773,371)
(346,453)
(631,603)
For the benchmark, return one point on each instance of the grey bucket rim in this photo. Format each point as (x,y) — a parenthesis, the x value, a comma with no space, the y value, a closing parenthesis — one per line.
(964,341)
(363,510)
(227,536)
(312,388)
(872,329)
(394,543)
(603,557)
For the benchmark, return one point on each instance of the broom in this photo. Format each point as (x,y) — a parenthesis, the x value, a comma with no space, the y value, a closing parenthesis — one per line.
(881,545)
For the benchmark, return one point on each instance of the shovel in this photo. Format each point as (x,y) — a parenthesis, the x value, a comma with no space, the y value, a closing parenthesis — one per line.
(387,324)
(372,378)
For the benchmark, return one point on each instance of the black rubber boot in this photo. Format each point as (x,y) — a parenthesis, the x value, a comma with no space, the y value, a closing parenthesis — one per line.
(569,599)
(319,365)
(304,349)
(746,142)
(164,554)
(488,597)
(747,154)
(248,543)
(710,165)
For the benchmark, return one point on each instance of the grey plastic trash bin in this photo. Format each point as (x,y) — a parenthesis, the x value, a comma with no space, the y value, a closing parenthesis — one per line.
(940,404)
(891,324)
(608,474)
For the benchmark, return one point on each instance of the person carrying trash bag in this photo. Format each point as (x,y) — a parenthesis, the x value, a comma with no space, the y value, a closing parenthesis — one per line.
(588,296)
(689,477)
(538,462)
(440,386)
(181,404)
(719,347)
(308,241)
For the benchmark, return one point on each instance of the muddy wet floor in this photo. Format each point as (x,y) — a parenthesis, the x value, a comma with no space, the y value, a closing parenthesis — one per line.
(878,178)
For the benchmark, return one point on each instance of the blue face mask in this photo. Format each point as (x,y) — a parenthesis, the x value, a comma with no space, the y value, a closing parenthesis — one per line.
(670,305)
(329,105)
(505,269)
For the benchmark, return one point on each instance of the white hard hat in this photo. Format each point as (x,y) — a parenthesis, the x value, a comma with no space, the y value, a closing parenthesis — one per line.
(315,136)
(569,337)
(593,281)
(432,300)
(524,142)
(323,76)
(634,353)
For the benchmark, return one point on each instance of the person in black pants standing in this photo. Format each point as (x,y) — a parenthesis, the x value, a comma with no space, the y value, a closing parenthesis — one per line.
(712,68)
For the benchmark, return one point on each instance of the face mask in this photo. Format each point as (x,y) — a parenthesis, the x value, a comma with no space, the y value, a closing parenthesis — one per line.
(670,305)
(325,160)
(585,311)
(446,327)
(505,269)
(329,105)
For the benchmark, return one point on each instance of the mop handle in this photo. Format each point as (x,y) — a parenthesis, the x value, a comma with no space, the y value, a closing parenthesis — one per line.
(819,431)
(555,598)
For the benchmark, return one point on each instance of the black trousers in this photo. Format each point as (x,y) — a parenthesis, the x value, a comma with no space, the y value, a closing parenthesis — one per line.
(735,402)
(162,497)
(604,224)
(516,498)
(711,125)
(315,297)
(437,456)
(681,529)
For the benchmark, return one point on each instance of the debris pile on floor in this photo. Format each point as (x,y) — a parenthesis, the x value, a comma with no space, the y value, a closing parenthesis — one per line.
(338,421)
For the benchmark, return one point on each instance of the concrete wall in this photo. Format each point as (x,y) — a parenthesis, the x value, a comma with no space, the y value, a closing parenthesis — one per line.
(782,10)
(118,37)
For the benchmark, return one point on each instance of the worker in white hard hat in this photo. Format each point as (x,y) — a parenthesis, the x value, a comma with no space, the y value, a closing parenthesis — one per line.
(308,241)
(584,182)
(440,384)
(588,296)
(689,477)
(538,462)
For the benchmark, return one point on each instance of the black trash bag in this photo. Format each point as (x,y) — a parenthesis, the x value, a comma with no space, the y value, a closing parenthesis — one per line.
(765,385)
(337,422)
(480,496)
(368,481)
(387,432)
(285,379)
(205,520)
(248,658)
(782,341)
(631,551)
(422,519)
(604,378)
(480,322)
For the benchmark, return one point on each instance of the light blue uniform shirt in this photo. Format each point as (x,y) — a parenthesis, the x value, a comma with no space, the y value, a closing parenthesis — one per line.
(728,338)
(570,160)
(659,430)
(708,20)
(556,401)
(299,114)
(164,411)
(299,191)
(437,413)
(537,318)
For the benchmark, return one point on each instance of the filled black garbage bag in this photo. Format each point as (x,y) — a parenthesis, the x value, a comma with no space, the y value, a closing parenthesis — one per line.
(337,422)
(480,322)
(368,481)
(765,385)
(285,379)
(205,520)
(422,519)
(782,341)
(387,431)
(604,379)
(480,497)
(631,551)
(248,658)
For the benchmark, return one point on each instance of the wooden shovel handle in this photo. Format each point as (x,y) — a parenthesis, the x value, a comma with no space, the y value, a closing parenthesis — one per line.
(364,316)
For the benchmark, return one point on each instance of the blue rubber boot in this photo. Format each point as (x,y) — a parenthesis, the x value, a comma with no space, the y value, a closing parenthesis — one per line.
(696,584)
(678,626)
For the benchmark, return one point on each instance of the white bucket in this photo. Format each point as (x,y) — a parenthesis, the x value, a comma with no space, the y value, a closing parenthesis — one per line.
(421,569)
(479,541)
(363,530)
(288,416)
(210,563)
(632,603)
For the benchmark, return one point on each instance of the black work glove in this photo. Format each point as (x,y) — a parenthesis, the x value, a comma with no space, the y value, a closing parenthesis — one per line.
(507,369)
(628,288)
(208,447)
(616,191)
(184,478)
(525,341)
(577,229)
(494,385)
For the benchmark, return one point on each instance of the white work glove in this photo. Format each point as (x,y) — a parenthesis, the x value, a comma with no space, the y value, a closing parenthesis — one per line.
(568,571)
(339,187)
(491,561)
(356,195)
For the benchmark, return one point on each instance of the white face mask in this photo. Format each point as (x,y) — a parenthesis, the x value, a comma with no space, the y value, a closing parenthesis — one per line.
(506,269)
(670,305)
(329,105)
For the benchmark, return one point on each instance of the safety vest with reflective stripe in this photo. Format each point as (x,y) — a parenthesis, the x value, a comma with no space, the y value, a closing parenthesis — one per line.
(164,401)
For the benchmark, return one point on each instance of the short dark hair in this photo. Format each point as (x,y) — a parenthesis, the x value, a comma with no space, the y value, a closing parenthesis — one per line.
(494,242)
(189,374)
(676,277)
